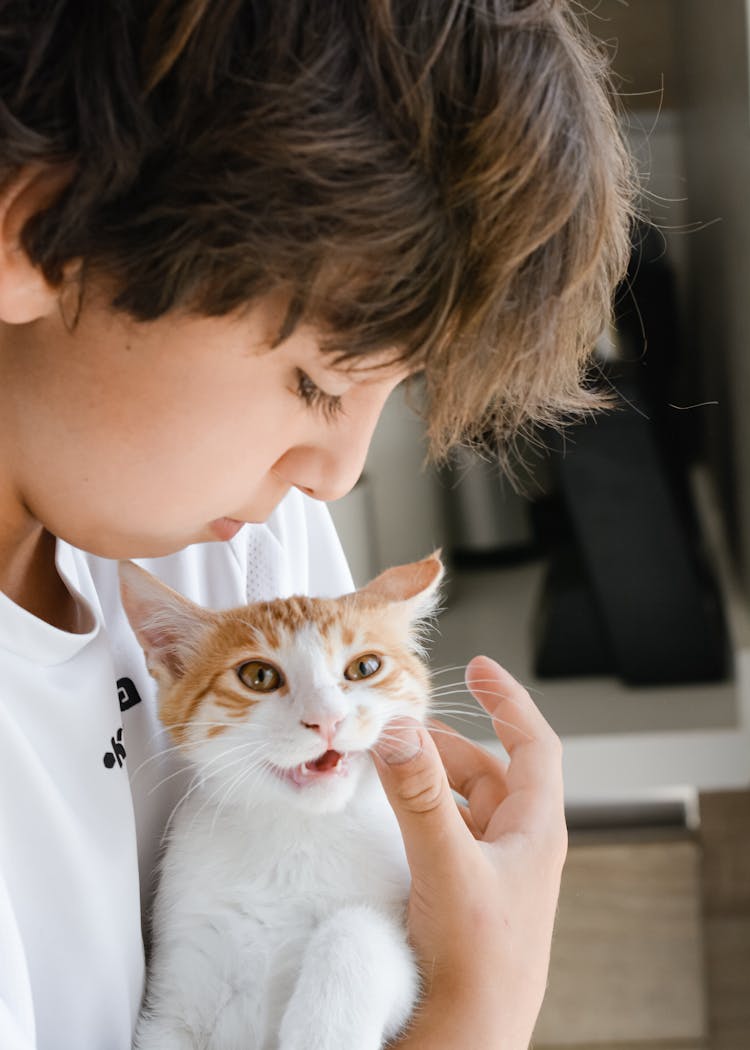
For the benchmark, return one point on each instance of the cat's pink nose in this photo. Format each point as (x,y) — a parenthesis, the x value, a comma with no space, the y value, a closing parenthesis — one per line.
(326,727)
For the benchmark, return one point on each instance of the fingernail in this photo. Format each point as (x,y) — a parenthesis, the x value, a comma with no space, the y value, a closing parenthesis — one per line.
(401,742)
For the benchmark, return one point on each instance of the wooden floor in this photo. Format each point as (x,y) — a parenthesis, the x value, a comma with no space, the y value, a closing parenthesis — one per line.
(652,947)
(725,839)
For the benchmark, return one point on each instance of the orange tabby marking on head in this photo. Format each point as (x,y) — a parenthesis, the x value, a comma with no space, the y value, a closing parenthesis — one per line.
(262,631)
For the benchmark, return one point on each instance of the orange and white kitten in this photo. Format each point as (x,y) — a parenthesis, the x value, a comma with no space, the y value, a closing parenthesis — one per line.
(279,921)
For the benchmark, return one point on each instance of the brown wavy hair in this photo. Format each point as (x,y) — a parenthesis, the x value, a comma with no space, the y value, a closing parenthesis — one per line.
(442,177)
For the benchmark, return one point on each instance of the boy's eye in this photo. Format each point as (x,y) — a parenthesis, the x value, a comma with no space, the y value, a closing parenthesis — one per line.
(363,667)
(259,676)
(329,404)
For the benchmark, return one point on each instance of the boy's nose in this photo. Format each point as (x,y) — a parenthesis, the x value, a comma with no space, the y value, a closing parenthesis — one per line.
(326,725)
(329,473)
(327,466)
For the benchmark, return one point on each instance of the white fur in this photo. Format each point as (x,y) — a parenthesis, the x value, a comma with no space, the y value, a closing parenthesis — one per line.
(280,917)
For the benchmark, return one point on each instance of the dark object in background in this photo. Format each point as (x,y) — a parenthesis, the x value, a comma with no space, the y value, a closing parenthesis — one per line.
(644,599)
(647,321)
(572,639)
(631,570)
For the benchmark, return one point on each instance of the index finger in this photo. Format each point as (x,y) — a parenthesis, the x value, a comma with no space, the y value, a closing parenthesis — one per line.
(515,717)
(466,761)
(472,771)
(534,748)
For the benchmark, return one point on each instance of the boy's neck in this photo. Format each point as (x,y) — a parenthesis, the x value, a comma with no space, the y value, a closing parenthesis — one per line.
(29,576)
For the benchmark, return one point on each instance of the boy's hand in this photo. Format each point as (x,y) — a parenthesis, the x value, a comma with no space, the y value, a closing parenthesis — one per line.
(485,877)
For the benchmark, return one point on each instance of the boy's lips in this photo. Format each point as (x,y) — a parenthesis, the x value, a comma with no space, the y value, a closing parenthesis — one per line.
(225,528)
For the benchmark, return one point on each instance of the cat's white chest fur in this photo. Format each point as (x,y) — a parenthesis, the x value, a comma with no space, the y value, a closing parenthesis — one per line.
(277,928)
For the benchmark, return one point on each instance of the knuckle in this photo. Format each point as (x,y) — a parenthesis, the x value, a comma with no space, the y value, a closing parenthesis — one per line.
(561,843)
(547,840)
(421,792)
(556,842)
(554,745)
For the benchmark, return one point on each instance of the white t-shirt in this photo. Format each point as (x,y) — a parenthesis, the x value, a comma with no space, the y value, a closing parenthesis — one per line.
(87,782)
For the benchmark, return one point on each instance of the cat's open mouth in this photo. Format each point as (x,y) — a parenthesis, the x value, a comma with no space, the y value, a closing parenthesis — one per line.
(329,764)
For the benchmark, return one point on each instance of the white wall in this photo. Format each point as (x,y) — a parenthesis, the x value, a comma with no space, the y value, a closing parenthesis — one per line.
(395,516)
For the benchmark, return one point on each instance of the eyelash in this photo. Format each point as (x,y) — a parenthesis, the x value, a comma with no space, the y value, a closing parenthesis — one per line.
(329,404)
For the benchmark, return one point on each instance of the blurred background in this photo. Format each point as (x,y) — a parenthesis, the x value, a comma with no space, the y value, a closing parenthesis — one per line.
(615,586)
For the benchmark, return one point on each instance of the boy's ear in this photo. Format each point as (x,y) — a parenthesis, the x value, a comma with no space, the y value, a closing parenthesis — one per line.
(25,294)
(417,584)
(169,627)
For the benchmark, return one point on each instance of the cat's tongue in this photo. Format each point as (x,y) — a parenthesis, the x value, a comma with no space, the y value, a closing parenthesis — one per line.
(328,765)
(326,762)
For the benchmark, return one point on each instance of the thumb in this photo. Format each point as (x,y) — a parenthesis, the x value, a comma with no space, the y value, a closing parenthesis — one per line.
(416,785)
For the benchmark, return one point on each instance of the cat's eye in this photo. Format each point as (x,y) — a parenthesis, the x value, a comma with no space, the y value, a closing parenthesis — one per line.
(259,676)
(363,667)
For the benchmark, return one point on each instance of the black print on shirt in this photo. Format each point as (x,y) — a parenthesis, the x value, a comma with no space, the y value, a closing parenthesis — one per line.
(117,754)
(127,693)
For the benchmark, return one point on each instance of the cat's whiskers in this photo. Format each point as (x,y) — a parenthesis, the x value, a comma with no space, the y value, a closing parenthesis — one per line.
(463,721)
(466,712)
(222,786)
(185,746)
(241,778)
(195,782)
(450,697)
(459,687)
(243,745)
(462,667)
(481,681)
(447,668)
(475,681)
(220,722)
(155,757)
(241,762)
(199,780)
(260,772)
(177,772)
(248,763)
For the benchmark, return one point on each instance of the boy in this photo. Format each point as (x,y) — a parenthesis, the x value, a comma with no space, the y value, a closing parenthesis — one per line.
(227,230)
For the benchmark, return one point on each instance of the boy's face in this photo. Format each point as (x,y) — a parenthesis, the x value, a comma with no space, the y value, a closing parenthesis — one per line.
(137,439)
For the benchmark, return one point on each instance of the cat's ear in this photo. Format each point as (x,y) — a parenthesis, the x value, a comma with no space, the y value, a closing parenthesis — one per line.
(169,627)
(416,584)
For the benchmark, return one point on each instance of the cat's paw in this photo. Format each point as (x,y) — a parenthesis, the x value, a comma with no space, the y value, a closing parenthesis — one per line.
(356,986)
